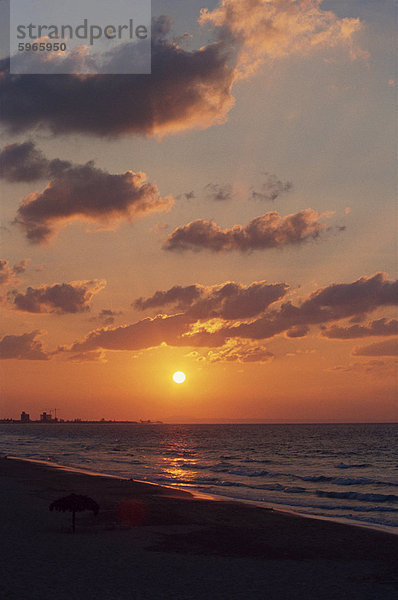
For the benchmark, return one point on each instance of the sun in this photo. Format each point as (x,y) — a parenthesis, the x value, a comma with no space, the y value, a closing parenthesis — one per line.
(178,377)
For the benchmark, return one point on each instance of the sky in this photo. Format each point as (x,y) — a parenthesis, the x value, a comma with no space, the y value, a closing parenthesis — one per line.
(232,216)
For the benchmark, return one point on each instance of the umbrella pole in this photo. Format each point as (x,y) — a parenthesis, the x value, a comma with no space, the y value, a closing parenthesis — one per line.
(73,521)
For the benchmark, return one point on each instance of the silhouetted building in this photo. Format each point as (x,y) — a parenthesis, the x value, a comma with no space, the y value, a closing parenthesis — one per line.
(45,418)
(25,417)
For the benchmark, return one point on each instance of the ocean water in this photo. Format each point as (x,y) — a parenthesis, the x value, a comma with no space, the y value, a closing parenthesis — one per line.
(344,471)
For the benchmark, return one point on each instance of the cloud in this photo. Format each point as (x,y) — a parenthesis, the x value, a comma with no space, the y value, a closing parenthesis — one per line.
(59,298)
(298,331)
(331,303)
(8,273)
(217,192)
(146,333)
(213,316)
(264,232)
(187,89)
(106,316)
(271,189)
(339,300)
(21,266)
(78,192)
(380,327)
(229,301)
(22,163)
(23,347)
(189,195)
(385,348)
(168,330)
(236,352)
(92,356)
(261,29)
(378,368)
(179,296)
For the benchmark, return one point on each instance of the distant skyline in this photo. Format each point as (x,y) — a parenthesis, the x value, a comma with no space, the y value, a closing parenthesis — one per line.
(231,216)
(110,421)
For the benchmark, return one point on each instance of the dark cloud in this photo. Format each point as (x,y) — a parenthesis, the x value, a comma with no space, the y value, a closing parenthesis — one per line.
(142,334)
(384,348)
(106,316)
(21,266)
(22,163)
(227,301)
(179,296)
(187,195)
(236,301)
(271,188)
(23,347)
(339,300)
(25,163)
(215,191)
(84,192)
(60,298)
(380,327)
(216,316)
(267,231)
(161,27)
(187,89)
(298,331)
(331,303)
(8,273)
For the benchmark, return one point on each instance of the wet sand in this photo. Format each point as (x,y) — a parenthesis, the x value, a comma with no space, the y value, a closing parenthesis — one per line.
(153,543)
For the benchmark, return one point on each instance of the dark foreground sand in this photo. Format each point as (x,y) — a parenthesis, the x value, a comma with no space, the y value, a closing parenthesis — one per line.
(151,543)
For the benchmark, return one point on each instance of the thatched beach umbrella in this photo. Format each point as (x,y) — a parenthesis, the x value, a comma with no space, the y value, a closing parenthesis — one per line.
(75,503)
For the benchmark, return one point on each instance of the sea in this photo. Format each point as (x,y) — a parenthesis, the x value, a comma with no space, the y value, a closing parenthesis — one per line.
(343,472)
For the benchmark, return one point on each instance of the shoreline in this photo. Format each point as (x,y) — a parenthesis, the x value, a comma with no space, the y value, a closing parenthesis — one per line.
(163,542)
(216,497)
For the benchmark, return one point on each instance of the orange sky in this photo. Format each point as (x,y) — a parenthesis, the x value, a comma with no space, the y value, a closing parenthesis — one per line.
(244,231)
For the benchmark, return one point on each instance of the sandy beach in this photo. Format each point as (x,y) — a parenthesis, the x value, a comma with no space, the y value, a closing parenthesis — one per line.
(150,542)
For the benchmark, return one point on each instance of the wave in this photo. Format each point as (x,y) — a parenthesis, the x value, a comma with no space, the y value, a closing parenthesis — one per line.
(362,481)
(285,489)
(179,453)
(240,471)
(294,490)
(358,466)
(270,486)
(315,478)
(256,460)
(358,496)
(247,473)
(199,481)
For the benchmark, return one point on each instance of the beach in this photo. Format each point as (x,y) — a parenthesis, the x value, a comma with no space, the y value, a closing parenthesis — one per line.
(152,542)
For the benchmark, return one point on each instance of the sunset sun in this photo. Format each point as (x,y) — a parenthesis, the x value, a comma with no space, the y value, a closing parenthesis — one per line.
(178,377)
